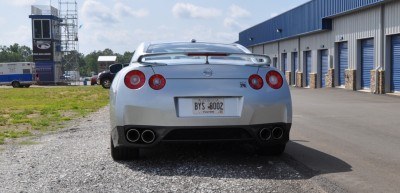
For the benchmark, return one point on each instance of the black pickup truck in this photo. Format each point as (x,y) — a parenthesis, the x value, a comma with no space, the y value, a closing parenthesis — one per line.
(105,78)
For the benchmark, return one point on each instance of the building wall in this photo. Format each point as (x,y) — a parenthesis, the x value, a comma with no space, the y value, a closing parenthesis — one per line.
(392,27)
(357,26)
(315,43)
(392,18)
(379,22)
(271,49)
(258,49)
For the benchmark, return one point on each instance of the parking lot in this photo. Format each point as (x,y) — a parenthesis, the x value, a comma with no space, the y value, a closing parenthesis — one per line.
(341,141)
(351,138)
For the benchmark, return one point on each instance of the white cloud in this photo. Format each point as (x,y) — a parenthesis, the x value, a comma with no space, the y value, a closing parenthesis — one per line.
(235,13)
(187,10)
(95,11)
(124,10)
(238,12)
(233,24)
(22,2)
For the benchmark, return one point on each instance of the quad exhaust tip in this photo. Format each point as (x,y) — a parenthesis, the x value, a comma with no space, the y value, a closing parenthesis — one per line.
(265,134)
(148,136)
(133,135)
(277,132)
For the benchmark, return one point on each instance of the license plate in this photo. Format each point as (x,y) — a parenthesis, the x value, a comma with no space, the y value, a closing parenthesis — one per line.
(208,106)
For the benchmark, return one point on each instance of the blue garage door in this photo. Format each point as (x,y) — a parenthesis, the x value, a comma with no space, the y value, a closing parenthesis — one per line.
(343,62)
(295,66)
(308,67)
(284,62)
(367,62)
(324,66)
(395,83)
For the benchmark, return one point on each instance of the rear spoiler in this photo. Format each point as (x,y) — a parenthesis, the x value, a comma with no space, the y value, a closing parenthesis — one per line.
(259,59)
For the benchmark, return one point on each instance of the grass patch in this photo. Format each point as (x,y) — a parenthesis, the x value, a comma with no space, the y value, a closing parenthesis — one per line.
(26,111)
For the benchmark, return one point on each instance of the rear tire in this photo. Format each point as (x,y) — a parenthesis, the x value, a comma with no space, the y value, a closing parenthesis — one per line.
(27,86)
(123,153)
(16,84)
(275,150)
(106,83)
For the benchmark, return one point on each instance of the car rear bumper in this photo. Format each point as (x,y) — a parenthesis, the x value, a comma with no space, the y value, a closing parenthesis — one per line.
(249,133)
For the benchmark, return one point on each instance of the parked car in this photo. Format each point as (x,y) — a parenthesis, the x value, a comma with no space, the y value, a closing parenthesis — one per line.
(180,92)
(105,78)
(93,80)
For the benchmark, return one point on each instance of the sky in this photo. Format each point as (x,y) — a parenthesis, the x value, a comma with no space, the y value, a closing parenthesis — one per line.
(122,25)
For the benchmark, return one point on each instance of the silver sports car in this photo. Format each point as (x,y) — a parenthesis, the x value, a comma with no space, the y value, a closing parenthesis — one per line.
(198,92)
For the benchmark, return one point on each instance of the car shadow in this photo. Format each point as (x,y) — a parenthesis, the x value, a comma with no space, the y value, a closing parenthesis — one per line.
(228,161)
(311,162)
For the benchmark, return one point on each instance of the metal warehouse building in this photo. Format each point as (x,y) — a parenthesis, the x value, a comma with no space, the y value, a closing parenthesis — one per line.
(352,44)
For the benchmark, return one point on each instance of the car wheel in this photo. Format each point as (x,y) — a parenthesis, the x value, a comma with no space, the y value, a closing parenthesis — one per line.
(275,150)
(16,84)
(123,153)
(27,86)
(106,83)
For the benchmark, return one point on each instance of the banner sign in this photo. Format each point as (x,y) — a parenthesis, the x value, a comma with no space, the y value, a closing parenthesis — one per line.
(43,50)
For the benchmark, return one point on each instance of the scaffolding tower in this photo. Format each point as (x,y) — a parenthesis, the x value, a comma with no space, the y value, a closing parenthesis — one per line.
(68,12)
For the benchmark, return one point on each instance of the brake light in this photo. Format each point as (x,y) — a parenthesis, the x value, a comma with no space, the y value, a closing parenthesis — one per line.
(274,79)
(256,82)
(135,79)
(157,82)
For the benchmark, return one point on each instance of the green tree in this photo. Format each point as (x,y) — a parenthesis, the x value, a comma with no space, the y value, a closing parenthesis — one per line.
(15,53)
(126,58)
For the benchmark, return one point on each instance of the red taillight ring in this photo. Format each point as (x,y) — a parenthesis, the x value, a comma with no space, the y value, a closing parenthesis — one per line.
(256,82)
(157,82)
(274,79)
(135,79)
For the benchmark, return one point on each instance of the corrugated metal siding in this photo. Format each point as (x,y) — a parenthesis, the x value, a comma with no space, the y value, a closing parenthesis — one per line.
(367,62)
(288,45)
(303,19)
(357,26)
(392,18)
(395,60)
(271,49)
(316,41)
(258,49)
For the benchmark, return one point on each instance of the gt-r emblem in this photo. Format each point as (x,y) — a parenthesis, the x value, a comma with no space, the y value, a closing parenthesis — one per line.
(207,72)
(243,85)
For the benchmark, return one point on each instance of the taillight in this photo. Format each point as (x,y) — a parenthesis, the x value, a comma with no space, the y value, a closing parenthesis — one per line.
(135,79)
(256,82)
(157,82)
(274,79)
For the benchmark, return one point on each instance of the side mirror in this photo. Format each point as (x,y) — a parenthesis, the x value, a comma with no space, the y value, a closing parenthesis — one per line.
(115,68)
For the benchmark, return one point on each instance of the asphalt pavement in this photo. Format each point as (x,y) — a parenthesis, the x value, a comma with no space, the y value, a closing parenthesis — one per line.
(349,138)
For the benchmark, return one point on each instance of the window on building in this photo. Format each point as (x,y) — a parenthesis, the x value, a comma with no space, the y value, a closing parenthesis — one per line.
(26,71)
(41,29)
(37,28)
(46,28)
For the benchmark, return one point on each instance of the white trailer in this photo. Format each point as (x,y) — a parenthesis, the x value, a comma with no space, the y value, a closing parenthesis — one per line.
(18,74)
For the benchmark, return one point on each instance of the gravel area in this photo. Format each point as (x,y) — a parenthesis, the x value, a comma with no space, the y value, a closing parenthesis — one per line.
(77,159)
